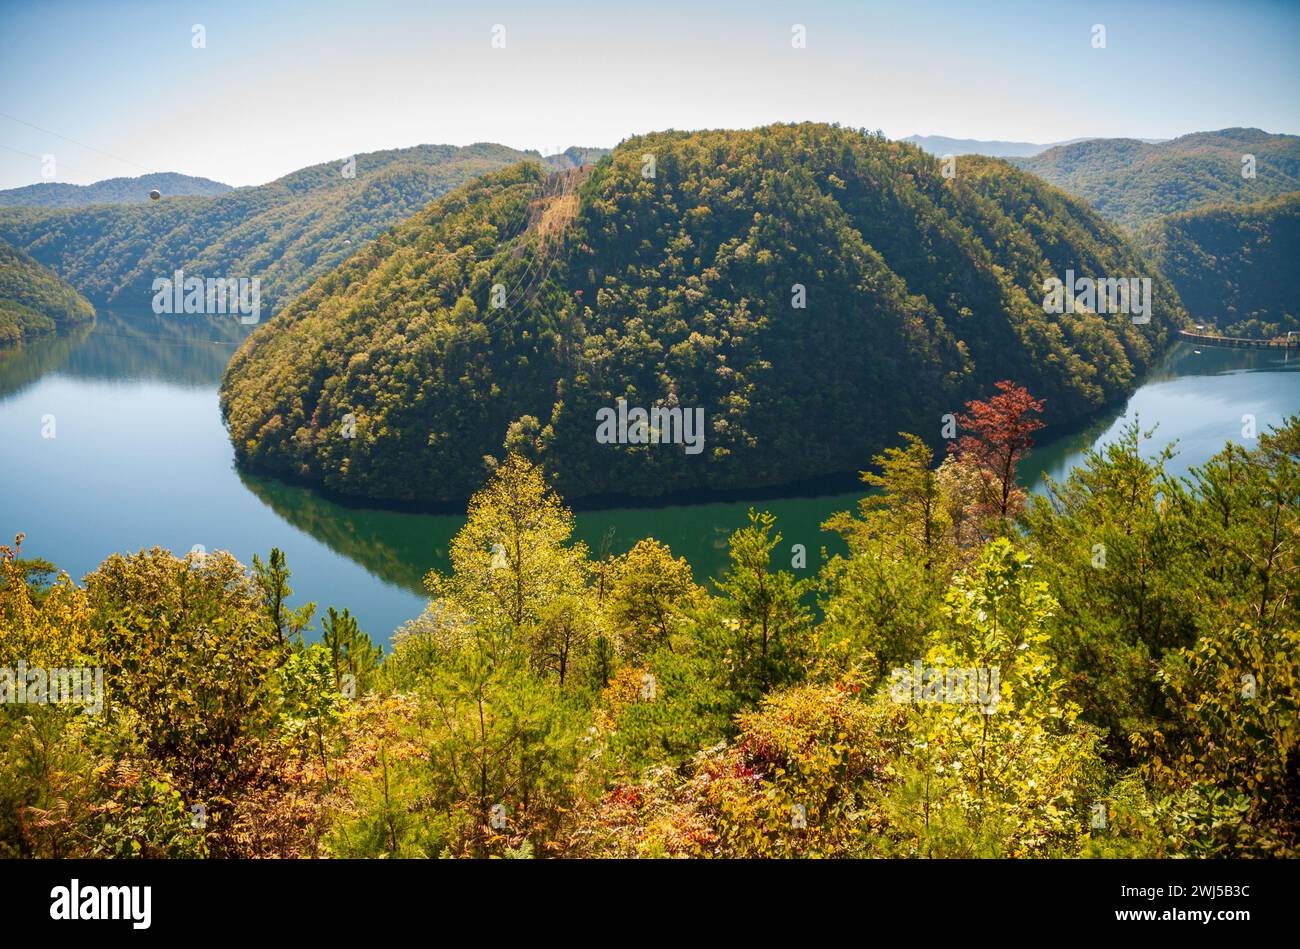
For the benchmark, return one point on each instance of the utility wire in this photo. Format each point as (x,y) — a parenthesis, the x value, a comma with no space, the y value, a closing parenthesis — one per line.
(19,151)
(77,143)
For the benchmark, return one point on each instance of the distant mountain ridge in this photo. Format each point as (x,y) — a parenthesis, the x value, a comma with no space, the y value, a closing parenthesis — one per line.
(285,233)
(1133,182)
(940,145)
(110,191)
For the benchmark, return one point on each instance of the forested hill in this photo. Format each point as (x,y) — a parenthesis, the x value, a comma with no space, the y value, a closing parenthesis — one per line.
(1233,264)
(110,191)
(286,233)
(1134,182)
(34,301)
(671,276)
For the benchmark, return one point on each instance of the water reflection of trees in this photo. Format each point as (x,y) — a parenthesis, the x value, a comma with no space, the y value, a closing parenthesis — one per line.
(398,547)
(20,366)
(1186,359)
(181,350)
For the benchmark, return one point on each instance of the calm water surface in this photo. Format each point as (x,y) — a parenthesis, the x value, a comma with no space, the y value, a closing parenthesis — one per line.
(140,458)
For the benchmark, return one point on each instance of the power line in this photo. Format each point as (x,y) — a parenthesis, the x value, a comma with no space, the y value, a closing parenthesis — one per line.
(75,142)
(19,151)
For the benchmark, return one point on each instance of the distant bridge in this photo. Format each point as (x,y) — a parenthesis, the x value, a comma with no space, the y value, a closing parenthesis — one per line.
(1290,341)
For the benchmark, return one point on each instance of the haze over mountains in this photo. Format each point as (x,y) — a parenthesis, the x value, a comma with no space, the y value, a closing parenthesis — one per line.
(940,145)
(292,231)
(286,233)
(110,191)
(1234,265)
(1134,182)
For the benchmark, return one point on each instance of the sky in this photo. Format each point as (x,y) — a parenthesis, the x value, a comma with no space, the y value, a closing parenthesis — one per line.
(119,88)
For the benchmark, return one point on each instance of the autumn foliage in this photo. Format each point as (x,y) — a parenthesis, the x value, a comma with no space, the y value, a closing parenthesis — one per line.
(994,436)
(552,703)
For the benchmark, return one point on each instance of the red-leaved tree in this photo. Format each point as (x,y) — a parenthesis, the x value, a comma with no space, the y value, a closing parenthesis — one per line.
(994,436)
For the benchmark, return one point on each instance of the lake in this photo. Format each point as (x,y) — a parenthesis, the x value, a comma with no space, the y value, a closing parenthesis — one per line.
(140,458)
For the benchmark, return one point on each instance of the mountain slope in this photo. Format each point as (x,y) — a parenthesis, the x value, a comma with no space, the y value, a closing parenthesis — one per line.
(286,233)
(1233,264)
(34,301)
(680,290)
(109,191)
(1134,182)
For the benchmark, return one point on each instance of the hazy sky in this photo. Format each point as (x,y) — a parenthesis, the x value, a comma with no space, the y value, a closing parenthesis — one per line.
(281,85)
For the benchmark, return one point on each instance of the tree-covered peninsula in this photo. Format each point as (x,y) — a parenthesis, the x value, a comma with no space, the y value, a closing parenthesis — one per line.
(812,289)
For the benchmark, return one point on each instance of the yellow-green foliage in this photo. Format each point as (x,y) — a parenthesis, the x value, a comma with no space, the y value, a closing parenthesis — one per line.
(34,301)
(1142,704)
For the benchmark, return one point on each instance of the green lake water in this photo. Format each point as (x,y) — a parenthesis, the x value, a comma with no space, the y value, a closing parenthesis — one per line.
(140,458)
